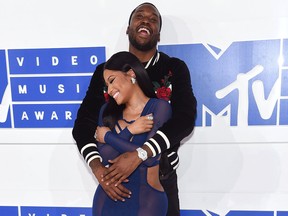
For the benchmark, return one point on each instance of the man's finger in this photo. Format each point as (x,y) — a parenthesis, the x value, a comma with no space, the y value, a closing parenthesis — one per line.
(113,161)
(115,193)
(109,176)
(123,191)
(120,180)
(115,178)
(114,196)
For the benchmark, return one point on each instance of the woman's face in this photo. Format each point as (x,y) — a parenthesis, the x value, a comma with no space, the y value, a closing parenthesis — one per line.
(119,85)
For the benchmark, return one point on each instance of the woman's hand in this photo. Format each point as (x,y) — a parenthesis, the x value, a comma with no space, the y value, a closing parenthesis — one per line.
(100,133)
(142,124)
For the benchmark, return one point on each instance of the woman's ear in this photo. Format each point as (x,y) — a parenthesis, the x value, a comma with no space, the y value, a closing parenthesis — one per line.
(131,73)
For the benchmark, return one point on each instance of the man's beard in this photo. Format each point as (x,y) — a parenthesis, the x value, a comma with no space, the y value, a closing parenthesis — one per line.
(143,47)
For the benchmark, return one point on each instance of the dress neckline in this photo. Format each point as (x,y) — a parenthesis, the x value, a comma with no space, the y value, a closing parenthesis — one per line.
(141,114)
(128,122)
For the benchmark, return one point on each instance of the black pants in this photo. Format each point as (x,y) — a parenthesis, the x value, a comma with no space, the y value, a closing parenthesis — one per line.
(170,185)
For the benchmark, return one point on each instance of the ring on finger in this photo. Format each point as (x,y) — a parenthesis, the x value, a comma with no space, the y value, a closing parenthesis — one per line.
(150,117)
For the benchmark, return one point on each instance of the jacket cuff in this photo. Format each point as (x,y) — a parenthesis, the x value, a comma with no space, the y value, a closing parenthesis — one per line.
(158,143)
(90,152)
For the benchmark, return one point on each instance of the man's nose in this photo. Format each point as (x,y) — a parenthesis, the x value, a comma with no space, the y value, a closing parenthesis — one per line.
(145,20)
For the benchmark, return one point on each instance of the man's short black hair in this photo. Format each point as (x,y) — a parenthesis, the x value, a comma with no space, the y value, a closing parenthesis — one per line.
(148,3)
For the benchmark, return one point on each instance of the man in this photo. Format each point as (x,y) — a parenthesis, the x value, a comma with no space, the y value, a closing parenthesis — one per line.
(143,31)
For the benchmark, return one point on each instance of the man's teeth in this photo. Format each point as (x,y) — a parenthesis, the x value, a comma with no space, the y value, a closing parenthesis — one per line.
(144,29)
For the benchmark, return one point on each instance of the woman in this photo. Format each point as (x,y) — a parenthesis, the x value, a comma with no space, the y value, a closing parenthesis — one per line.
(130,117)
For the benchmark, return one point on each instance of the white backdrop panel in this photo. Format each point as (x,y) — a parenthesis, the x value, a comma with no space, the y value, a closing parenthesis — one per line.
(221,169)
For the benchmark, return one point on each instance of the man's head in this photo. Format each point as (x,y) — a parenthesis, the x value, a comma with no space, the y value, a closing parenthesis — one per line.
(146,3)
(144,27)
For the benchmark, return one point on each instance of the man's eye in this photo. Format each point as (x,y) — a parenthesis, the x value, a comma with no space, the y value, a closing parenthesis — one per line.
(139,16)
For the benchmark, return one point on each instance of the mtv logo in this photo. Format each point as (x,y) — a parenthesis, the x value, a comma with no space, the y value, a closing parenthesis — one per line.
(5,104)
(249,77)
(5,93)
(222,119)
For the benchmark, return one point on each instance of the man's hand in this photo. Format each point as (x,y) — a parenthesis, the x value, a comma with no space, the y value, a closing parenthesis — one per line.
(118,192)
(121,168)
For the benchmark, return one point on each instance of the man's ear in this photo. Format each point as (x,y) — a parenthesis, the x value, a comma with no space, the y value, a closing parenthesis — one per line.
(127,30)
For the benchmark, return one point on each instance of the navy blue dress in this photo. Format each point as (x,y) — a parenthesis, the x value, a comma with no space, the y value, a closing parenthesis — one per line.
(145,200)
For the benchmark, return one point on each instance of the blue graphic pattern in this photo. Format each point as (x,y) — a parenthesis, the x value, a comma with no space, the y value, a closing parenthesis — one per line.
(5,121)
(229,81)
(55,60)
(47,85)
(78,211)
(246,85)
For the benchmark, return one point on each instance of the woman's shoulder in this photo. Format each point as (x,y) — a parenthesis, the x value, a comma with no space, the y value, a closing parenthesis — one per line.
(160,101)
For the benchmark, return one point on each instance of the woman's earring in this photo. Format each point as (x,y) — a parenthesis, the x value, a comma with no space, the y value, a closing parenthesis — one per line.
(133,80)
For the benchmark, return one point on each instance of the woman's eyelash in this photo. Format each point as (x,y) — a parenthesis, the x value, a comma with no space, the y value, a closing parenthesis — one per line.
(111,80)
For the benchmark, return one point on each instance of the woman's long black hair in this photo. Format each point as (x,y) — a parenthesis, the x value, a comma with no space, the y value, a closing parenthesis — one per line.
(124,61)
